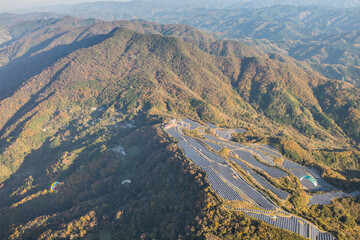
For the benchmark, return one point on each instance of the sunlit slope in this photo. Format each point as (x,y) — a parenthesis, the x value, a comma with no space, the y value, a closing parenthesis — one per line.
(138,73)
(35,45)
(155,75)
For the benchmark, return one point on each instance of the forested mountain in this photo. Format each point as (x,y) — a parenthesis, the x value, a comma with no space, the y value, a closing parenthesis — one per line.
(325,3)
(84,82)
(9,19)
(321,35)
(37,44)
(111,9)
(324,37)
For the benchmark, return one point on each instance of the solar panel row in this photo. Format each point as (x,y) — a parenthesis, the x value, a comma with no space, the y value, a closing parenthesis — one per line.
(244,187)
(214,146)
(326,198)
(193,155)
(261,155)
(293,224)
(205,150)
(262,181)
(225,133)
(270,150)
(220,186)
(274,172)
(193,125)
(174,133)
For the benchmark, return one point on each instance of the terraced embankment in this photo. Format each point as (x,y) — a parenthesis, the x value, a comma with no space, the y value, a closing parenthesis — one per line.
(230,184)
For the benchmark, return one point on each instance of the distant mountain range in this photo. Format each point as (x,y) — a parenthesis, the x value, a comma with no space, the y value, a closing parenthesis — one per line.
(327,38)
(118,8)
(324,36)
(326,3)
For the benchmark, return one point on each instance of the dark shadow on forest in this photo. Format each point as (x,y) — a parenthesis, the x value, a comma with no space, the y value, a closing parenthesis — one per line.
(23,68)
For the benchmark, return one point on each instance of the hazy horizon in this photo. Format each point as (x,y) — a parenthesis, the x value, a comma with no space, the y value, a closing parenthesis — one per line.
(6,5)
(22,6)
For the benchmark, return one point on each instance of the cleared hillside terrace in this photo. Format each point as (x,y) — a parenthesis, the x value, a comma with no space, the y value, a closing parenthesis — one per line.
(232,185)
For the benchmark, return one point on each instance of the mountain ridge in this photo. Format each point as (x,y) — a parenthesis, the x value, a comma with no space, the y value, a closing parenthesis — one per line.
(297,31)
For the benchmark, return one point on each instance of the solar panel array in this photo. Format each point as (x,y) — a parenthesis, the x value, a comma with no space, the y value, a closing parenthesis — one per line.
(193,155)
(220,186)
(201,130)
(212,126)
(262,181)
(292,165)
(274,172)
(293,224)
(205,150)
(246,154)
(298,172)
(325,186)
(211,137)
(321,184)
(325,236)
(174,133)
(355,194)
(239,130)
(263,156)
(225,133)
(231,146)
(269,147)
(245,187)
(326,198)
(214,146)
(193,125)
(270,150)
(254,210)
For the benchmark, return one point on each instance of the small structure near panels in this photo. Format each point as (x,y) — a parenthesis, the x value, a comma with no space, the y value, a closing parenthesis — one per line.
(171,124)
(119,149)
